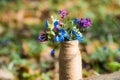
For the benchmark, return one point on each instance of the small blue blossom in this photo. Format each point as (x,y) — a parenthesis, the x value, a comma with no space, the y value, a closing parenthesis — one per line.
(56,23)
(56,29)
(47,24)
(73,32)
(79,38)
(56,39)
(41,38)
(63,32)
(75,20)
(52,53)
(61,38)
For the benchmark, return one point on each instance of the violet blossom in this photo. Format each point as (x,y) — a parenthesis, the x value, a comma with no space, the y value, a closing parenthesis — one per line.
(63,13)
(85,22)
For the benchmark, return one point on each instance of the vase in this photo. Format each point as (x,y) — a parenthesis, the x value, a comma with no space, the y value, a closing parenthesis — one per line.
(70,63)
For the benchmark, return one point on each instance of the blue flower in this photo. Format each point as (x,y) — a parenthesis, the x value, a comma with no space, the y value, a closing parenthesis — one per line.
(67,37)
(75,20)
(79,38)
(61,38)
(52,53)
(56,39)
(63,32)
(47,24)
(56,23)
(41,38)
(73,32)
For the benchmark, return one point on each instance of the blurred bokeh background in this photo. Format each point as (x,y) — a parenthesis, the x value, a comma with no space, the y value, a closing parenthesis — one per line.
(23,57)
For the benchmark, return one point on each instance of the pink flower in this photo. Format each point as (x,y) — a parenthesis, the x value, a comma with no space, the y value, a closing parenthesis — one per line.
(63,13)
(60,23)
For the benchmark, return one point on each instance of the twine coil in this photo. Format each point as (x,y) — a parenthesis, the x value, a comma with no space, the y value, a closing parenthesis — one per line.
(70,64)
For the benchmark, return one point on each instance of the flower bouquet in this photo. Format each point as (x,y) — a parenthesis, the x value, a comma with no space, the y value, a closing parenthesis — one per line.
(61,30)
(68,33)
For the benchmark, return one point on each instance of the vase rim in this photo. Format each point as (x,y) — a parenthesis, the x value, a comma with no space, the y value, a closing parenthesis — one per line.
(72,42)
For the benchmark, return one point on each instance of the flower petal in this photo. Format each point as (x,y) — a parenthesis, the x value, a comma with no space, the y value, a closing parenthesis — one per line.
(75,20)
(63,32)
(52,53)
(61,38)
(56,23)
(79,38)
(56,39)
(40,38)
(85,22)
(73,32)
(47,24)
(63,13)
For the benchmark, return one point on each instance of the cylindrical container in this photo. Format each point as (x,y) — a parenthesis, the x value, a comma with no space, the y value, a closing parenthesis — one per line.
(70,61)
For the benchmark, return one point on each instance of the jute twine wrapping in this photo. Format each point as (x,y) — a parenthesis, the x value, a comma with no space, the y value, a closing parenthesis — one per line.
(70,64)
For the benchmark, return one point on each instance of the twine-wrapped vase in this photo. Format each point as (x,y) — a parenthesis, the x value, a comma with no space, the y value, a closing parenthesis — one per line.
(70,64)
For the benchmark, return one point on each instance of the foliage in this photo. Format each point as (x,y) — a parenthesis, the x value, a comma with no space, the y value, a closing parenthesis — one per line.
(27,59)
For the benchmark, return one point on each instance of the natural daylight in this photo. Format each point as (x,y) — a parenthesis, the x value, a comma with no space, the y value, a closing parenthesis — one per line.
(59,39)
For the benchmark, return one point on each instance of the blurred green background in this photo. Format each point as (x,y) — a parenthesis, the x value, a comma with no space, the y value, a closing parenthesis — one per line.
(23,57)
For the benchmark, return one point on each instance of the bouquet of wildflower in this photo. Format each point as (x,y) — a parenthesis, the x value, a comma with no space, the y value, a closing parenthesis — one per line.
(64,30)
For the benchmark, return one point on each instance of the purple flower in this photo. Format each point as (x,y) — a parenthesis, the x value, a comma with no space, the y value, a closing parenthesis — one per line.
(85,22)
(63,13)
(56,28)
